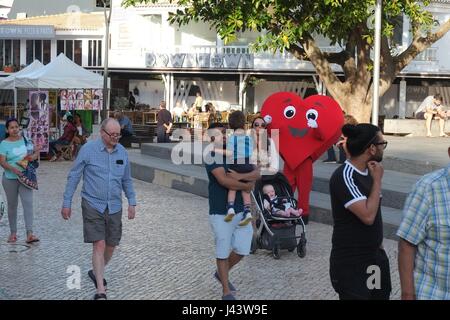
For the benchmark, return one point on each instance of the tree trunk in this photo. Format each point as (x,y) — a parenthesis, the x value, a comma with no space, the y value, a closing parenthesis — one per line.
(356,106)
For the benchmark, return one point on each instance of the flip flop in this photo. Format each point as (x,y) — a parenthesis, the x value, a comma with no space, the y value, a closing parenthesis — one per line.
(32,239)
(12,239)
(94,279)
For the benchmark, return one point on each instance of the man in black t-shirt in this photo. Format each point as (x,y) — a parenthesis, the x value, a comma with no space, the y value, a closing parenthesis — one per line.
(359,267)
(232,241)
(164,123)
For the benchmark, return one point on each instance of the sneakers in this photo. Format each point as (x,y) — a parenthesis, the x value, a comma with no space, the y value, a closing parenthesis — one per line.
(329,161)
(230,214)
(246,220)
(228,297)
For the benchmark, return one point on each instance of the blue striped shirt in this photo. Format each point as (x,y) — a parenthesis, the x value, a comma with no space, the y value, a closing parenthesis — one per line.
(426,224)
(105,175)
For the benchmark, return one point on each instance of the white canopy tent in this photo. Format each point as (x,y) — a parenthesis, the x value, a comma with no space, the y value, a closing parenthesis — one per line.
(8,83)
(60,73)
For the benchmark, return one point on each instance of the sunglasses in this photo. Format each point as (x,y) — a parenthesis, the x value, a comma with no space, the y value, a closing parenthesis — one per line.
(262,125)
(383,143)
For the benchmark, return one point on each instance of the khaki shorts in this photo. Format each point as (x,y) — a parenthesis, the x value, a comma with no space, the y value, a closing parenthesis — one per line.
(97,226)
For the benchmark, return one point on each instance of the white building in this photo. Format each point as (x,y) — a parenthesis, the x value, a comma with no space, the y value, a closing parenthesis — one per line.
(157,61)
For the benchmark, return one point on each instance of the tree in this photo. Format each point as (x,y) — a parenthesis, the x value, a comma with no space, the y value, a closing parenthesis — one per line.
(294,26)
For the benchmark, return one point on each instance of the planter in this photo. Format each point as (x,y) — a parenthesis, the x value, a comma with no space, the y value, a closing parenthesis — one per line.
(8,69)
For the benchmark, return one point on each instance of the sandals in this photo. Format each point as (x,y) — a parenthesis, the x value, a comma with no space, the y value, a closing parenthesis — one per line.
(12,238)
(32,238)
(94,280)
(100,296)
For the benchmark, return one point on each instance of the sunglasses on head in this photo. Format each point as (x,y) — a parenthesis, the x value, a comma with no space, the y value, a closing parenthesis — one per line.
(262,125)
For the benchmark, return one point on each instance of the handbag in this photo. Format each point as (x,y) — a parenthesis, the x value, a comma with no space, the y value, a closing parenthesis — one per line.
(34,163)
(28,177)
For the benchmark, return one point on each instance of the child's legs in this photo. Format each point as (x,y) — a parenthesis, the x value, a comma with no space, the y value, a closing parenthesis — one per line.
(231,195)
(281,213)
(246,198)
(293,212)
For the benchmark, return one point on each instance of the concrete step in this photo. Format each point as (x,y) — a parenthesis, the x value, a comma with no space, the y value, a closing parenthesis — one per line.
(395,189)
(396,185)
(193,179)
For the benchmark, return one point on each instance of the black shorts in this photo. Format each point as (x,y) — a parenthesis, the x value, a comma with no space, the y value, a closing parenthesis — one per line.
(420,115)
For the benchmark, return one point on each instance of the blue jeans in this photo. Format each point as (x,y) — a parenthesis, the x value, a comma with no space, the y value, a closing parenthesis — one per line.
(331,156)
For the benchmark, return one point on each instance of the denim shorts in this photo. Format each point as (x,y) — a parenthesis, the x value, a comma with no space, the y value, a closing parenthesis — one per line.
(230,236)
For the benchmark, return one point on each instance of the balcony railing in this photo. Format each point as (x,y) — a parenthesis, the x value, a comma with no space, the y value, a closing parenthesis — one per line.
(429,54)
(233,50)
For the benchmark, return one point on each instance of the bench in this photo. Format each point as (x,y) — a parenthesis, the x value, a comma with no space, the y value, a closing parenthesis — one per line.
(413,127)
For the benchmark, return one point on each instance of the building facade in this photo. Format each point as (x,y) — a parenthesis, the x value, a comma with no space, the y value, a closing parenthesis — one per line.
(158,61)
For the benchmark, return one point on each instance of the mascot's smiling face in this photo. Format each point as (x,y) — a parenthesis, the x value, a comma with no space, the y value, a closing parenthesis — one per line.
(305,127)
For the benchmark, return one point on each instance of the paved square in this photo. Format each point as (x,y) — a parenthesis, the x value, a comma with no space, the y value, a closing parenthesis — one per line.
(166,253)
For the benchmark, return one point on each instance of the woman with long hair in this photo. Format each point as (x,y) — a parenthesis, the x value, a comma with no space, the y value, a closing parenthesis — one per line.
(266,155)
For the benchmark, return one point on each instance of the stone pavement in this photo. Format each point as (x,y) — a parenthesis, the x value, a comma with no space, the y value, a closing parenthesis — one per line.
(165,253)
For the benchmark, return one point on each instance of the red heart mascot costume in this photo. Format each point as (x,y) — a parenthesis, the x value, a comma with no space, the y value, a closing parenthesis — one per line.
(302,131)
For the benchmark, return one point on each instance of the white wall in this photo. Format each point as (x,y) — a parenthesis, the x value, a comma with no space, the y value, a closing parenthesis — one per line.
(151,92)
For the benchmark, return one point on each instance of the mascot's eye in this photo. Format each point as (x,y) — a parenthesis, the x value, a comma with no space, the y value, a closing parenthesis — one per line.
(312,114)
(289,112)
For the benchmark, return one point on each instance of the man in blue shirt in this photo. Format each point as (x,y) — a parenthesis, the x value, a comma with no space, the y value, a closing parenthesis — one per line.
(232,241)
(106,172)
(126,128)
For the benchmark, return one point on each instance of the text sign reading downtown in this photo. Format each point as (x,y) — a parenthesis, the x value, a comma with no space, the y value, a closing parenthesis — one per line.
(199,60)
(29,32)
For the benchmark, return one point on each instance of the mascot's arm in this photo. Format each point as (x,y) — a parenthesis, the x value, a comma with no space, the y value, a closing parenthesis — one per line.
(325,146)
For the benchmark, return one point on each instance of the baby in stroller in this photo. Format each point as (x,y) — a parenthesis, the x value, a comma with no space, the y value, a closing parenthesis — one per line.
(278,206)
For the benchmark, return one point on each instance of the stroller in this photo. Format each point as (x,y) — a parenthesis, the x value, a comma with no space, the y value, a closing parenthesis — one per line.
(273,232)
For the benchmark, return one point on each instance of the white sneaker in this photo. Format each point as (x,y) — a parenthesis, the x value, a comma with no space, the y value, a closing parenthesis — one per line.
(248,217)
(230,215)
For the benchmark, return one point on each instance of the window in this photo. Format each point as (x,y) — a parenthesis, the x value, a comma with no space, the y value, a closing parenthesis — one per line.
(94,53)
(99,3)
(38,50)
(71,48)
(10,52)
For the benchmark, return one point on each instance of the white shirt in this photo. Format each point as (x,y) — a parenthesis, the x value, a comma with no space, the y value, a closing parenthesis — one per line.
(428,102)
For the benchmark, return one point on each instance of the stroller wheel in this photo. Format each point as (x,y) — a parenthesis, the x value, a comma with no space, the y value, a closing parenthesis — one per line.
(276,252)
(301,247)
(254,245)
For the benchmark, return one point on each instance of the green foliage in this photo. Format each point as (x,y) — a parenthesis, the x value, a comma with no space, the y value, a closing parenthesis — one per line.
(286,22)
